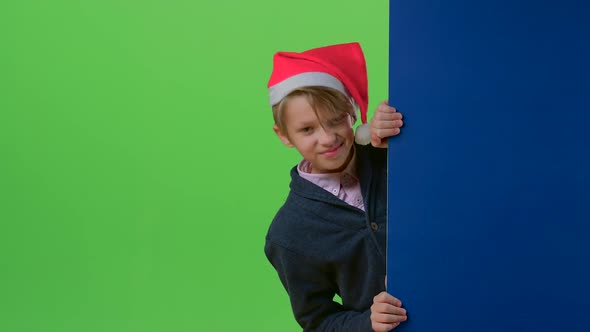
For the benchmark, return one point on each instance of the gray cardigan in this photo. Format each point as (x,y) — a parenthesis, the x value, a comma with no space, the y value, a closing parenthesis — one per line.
(321,246)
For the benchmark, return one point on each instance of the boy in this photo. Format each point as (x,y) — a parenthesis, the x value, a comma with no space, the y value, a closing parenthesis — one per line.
(329,236)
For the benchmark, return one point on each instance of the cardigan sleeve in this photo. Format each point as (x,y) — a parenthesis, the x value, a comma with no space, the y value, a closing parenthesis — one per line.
(311,292)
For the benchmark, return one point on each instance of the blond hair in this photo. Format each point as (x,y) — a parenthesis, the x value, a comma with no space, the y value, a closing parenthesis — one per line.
(323,100)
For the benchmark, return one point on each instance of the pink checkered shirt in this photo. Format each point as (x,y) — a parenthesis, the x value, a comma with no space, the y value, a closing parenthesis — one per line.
(344,185)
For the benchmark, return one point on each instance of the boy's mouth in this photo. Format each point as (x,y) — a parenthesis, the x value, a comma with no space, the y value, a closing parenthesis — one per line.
(333,151)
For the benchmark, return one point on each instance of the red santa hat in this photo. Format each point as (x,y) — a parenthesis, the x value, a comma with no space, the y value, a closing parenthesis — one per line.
(341,67)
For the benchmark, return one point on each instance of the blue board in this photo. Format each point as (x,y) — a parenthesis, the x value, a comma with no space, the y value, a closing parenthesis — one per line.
(489,181)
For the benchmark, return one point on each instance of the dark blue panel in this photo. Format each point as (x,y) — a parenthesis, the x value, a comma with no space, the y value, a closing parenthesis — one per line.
(489,184)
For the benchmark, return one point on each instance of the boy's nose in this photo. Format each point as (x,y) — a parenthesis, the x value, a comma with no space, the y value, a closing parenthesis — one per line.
(327,136)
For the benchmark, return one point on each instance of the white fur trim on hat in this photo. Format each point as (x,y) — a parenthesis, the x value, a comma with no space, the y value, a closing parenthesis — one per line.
(282,89)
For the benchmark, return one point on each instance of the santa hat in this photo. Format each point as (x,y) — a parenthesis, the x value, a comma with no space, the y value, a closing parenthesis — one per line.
(341,67)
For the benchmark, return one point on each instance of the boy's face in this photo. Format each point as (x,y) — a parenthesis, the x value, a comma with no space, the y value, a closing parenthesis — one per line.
(325,142)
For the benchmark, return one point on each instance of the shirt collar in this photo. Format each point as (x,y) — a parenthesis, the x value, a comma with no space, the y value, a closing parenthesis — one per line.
(329,181)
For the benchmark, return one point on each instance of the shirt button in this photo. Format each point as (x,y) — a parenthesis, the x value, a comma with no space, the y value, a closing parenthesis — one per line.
(335,191)
(374,226)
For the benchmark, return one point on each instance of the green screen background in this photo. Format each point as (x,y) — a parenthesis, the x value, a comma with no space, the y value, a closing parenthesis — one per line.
(138,168)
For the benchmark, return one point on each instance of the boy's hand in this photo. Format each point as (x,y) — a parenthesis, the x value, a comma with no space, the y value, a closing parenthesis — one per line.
(386,312)
(386,122)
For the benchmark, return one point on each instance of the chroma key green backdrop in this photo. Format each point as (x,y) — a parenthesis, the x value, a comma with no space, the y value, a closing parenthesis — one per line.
(138,168)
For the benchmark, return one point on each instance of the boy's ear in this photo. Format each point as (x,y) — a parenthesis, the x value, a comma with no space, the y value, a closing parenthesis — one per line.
(282,136)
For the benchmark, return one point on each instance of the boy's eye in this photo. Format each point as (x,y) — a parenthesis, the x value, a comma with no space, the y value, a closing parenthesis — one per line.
(306,130)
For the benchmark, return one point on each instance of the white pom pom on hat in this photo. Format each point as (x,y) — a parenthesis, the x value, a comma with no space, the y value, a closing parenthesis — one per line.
(363,134)
(341,67)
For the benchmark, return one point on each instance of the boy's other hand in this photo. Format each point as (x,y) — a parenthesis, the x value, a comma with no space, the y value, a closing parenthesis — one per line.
(386,312)
(386,122)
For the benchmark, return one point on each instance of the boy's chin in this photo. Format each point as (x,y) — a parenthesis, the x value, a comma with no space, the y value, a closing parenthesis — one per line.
(336,166)
(339,164)
(340,168)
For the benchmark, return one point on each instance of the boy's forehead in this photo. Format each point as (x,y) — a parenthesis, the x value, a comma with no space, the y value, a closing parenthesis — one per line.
(298,103)
(298,109)
(299,113)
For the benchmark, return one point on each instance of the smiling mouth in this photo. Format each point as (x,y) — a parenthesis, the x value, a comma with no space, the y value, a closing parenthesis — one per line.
(332,152)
